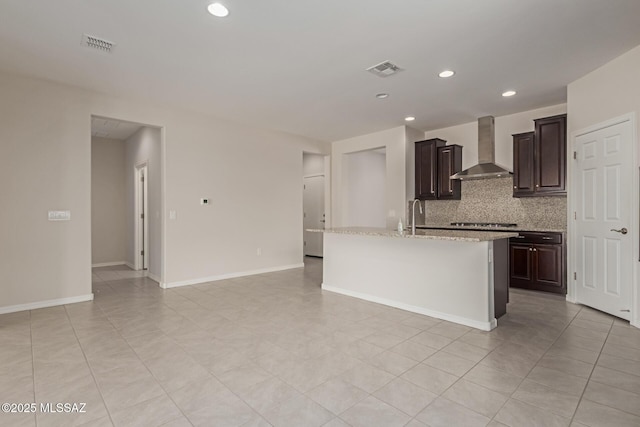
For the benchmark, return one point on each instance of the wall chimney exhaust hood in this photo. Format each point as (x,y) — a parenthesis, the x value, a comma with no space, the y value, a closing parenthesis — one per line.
(486,167)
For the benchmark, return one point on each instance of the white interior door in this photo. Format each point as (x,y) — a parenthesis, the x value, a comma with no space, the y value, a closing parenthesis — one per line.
(603,178)
(314,216)
(142,225)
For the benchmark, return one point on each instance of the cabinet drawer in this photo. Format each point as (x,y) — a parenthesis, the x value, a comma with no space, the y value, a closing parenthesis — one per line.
(537,237)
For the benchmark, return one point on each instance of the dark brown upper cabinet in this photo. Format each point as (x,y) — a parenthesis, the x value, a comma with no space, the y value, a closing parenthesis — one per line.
(540,159)
(523,171)
(435,163)
(449,162)
(426,153)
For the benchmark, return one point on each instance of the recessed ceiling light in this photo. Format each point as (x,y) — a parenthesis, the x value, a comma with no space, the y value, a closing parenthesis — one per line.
(446,73)
(509,93)
(409,118)
(217,9)
(382,95)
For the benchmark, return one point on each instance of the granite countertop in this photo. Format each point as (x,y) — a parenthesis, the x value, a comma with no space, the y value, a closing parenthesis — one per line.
(517,228)
(456,235)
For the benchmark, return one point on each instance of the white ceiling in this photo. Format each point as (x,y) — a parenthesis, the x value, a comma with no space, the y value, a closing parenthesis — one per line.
(298,66)
(113,129)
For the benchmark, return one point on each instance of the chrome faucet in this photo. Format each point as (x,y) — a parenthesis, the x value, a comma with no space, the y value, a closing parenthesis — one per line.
(413,215)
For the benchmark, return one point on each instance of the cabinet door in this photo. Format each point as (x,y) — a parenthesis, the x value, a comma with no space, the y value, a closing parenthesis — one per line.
(551,155)
(426,166)
(547,266)
(523,164)
(449,162)
(520,265)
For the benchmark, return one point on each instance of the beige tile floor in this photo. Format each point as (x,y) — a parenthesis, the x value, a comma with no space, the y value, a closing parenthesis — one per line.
(274,349)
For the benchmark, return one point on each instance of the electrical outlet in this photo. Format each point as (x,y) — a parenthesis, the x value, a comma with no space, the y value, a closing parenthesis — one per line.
(204,201)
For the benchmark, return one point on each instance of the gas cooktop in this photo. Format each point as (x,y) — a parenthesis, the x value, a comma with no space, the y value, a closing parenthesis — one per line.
(484,224)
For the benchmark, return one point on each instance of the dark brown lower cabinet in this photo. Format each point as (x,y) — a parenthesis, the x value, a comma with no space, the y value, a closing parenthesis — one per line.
(536,261)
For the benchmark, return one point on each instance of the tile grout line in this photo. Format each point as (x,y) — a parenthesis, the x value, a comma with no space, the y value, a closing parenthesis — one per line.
(534,366)
(146,367)
(617,388)
(591,373)
(95,381)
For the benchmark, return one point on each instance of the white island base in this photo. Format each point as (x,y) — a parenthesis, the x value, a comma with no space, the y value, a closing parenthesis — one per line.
(449,278)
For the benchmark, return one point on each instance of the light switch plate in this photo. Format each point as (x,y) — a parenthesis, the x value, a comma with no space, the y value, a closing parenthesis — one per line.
(59,216)
(173,215)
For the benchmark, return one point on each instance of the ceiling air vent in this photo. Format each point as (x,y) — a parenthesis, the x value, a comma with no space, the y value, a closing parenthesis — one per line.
(97,43)
(384,69)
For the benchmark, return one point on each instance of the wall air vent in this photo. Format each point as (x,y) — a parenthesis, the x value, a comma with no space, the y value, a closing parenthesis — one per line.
(97,43)
(385,69)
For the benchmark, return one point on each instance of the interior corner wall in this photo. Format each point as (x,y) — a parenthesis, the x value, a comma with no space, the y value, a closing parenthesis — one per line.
(466,134)
(145,146)
(108,208)
(412,135)
(366,177)
(312,164)
(252,175)
(394,142)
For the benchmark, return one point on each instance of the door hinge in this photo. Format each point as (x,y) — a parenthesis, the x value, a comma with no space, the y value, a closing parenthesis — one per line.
(142,179)
(142,216)
(575,215)
(575,276)
(142,253)
(575,154)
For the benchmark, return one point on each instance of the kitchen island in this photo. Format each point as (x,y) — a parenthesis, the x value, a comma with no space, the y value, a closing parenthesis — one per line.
(459,276)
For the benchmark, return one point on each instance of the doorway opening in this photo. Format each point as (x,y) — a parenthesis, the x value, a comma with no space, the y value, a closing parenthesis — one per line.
(141,232)
(126,199)
(314,204)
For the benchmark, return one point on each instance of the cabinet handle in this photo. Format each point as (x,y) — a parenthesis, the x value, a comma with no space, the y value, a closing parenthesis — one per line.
(530,249)
(515,186)
(537,185)
(535,250)
(519,237)
(547,238)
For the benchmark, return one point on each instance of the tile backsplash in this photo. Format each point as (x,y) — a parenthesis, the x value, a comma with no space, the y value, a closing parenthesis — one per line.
(491,200)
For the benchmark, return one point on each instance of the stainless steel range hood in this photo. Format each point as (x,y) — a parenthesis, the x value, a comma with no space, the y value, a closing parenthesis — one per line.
(486,167)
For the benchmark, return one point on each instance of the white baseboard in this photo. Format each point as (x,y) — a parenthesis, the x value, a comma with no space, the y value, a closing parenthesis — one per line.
(229,276)
(485,326)
(154,278)
(108,264)
(131,266)
(45,304)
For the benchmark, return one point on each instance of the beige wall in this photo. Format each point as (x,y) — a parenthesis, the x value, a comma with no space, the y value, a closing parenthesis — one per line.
(251,175)
(395,142)
(411,136)
(145,146)
(312,164)
(505,126)
(108,226)
(366,173)
(610,91)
